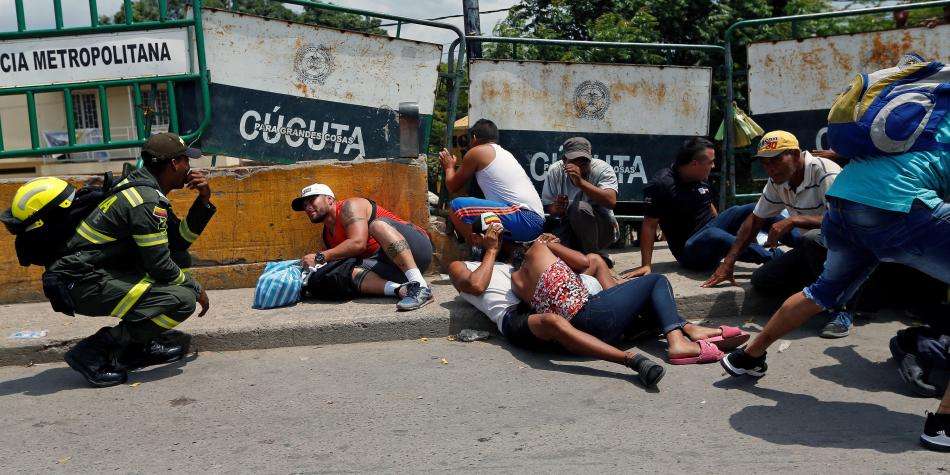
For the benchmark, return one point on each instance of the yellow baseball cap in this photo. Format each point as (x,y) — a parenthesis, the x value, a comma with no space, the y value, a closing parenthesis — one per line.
(776,142)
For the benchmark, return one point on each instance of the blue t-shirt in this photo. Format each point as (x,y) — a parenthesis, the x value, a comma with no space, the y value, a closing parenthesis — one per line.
(893,182)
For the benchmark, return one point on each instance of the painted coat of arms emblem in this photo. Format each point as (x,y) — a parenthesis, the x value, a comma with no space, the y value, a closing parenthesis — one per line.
(591,100)
(313,63)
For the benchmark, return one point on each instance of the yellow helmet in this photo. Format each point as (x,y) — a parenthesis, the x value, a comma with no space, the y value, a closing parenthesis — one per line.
(36,196)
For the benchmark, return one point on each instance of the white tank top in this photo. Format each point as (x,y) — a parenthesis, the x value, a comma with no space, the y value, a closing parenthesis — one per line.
(504,180)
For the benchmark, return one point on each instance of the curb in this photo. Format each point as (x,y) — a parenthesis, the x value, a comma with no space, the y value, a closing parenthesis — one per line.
(726,305)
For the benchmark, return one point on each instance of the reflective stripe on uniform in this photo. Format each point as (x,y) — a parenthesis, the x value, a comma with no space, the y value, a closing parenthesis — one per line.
(133,196)
(146,240)
(130,298)
(107,203)
(165,322)
(180,279)
(185,231)
(90,234)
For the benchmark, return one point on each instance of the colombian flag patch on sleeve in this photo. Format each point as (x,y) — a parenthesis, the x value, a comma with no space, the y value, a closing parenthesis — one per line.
(160,212)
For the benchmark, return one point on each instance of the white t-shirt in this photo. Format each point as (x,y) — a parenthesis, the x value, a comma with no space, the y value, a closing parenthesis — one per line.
(504,180)
(499,296)
(808,199)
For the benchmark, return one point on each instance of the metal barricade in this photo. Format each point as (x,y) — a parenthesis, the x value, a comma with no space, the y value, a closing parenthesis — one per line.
(165,22)
(604,44)
(730,92)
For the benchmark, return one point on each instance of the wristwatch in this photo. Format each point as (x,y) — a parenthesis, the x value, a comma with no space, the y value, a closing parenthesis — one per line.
(320,258)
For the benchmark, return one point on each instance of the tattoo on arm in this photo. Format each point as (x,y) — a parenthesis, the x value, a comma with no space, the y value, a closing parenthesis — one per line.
(394,249)
(350,214)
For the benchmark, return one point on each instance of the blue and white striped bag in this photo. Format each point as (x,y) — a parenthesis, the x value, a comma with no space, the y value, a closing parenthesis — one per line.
(279,285)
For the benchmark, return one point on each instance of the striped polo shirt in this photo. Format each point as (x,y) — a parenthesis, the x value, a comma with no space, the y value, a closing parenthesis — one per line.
(808,198)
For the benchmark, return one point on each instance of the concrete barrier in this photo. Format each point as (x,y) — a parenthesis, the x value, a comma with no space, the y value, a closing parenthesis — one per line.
(254,223)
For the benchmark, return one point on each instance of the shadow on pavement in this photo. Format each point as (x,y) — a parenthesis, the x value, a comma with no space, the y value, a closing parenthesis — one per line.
(856,371)
(800,419)
(63,378)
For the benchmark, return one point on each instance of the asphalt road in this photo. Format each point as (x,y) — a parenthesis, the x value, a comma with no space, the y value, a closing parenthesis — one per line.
(410,406)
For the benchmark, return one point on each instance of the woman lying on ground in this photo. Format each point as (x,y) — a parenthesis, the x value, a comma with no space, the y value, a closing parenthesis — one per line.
(487,286)
(548,280)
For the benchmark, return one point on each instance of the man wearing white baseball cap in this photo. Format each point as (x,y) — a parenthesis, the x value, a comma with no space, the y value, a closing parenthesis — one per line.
(393,251)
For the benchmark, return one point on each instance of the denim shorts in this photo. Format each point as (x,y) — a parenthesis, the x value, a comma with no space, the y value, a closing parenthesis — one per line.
(860,236)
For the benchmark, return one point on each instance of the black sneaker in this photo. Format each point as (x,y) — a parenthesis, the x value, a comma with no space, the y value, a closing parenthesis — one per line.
(738,363)
(936,434)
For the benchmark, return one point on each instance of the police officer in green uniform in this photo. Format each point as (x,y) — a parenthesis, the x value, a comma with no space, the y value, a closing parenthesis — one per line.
(126,260)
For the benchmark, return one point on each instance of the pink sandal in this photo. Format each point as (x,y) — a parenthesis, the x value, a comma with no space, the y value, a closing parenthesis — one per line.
(730,339)
(708,353)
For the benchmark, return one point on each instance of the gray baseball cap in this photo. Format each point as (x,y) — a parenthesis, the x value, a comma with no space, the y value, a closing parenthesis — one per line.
(577,147)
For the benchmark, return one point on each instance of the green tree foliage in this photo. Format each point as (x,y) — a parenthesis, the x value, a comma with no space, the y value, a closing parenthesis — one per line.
(347,21)
(146,10)
(439,116)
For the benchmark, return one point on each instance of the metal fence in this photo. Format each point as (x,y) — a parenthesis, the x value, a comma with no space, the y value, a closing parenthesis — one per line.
(141,111)
(730,92)
(453,74)
(605,44)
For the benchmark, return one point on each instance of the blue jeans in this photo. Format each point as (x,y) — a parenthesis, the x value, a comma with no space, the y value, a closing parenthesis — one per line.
(613,312)
(705,249)
(859,236)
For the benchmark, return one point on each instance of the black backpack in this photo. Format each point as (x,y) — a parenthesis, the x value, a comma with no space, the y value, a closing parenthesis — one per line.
(44,245)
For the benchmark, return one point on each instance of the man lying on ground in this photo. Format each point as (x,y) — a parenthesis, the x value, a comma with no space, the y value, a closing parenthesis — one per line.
(508,191)
(680,201)
(797,183)
(394,252)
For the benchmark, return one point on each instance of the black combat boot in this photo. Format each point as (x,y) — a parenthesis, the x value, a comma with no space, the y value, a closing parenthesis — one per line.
(95,357)
(166,348)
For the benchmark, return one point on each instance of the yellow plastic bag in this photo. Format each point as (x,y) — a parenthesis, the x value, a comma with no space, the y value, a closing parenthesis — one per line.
(745,130)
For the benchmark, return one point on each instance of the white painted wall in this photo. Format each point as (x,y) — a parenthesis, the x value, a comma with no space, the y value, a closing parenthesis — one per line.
(794,75)
(352,68)
(594,98)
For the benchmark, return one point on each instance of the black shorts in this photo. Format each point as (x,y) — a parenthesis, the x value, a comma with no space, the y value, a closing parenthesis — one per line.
(419,246)
(514,326)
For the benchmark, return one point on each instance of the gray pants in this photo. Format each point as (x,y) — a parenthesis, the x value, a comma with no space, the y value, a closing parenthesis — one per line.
(794,270)
(419,246)
(585,229)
